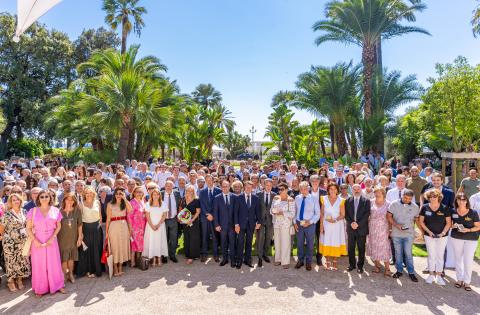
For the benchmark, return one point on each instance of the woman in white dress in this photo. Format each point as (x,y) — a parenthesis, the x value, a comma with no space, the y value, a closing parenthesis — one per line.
(155,239)
(333,242)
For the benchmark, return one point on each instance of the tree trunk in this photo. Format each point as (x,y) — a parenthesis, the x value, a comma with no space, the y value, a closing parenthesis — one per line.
(131,138)
(122,145)
(4,138)
(332,138)
(368,60)
(324,150)
(124,35)
(380,145)
(353,143)
(162,151)
(341,142)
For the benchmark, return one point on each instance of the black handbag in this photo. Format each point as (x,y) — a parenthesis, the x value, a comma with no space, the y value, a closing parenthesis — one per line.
(143,263)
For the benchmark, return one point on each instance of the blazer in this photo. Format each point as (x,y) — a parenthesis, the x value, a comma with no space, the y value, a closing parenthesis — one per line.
(265,214)
(223,214)
(243,215)
(363,213)
(206,202)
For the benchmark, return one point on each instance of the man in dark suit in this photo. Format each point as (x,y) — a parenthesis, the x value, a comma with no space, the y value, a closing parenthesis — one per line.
(173,201)
(223,206)
(206,197)
(265,233)
(357,212)
(247,219)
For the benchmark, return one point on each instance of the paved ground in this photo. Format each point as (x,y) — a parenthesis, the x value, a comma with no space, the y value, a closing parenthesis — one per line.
(210,289)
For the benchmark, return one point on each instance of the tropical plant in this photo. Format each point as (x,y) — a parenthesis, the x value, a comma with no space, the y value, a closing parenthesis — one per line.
(476,21)
(207,96)
(236,143)
(330,93)
(279,129)
(122,12)
(365,23)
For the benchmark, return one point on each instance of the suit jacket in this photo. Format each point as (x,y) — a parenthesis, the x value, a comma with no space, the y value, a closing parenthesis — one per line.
(223,214)
(206,202)
(265,214)
(178,199)
(363,213)
(246,216)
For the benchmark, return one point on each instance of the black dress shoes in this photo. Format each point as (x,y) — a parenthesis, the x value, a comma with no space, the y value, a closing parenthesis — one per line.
(239,265)
(216,258)
(233,264)
(413,277)
(249,264)
(319,261)
(350,268)
(397,275)
(266,259)
(174,259)
(309,267)
(203,259)
(164,260)
(260,263)
(223,263)
(299,265)
(360,270)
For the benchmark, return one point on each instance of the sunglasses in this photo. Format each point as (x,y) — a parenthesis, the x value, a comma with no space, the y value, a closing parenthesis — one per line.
(119,194)
(281,189)
(462,199)
(44,197)
(149,188)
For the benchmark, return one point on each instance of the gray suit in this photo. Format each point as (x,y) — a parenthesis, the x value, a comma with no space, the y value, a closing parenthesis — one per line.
(265,233)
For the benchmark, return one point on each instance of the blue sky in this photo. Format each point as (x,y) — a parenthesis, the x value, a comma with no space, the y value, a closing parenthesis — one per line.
(251,49)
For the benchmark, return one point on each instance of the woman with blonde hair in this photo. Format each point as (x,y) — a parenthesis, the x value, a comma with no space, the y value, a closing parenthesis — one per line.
(191,230)
(90,255)
(13,236)
(155,239)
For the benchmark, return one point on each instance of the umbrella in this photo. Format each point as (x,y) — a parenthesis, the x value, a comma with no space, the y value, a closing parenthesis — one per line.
(28,11)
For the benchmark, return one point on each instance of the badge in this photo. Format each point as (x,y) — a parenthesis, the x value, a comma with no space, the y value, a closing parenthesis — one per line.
(428,213)
(440,213)
(455,216)
(468,219)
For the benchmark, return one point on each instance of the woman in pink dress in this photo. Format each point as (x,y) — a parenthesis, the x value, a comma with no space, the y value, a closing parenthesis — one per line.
(47,273)
(378,244)
(137,221)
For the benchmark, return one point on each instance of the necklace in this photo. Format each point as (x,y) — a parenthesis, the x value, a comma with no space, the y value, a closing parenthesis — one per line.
(69,219)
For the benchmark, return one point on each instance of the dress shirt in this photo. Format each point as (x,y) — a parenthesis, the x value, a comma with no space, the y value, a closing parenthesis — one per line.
(311,209)
(226,198)
(475,202)
(173,203)
(394,194)
(161,178)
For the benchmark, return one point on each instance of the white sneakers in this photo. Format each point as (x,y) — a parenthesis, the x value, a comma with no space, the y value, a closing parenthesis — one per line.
(438,279)
(430,279)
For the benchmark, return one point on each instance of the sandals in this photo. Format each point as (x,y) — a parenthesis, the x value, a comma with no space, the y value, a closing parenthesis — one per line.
(376,270)
(468,288)
(20,284)
(334,267)
(328,265)
(11,286)
(387,274)
(458,284)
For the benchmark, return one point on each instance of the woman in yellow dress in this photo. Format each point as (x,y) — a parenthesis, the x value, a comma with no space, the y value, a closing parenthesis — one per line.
(332,228)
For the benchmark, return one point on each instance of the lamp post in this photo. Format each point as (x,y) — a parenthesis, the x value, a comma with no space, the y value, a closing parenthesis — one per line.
(253,131)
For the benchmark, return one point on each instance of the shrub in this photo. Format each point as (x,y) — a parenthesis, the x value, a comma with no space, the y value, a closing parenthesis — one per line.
(27,147)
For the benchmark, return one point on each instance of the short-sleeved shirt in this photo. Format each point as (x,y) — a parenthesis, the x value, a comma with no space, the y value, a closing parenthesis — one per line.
(468,221)
(435,220)
(404,214)
(470,186)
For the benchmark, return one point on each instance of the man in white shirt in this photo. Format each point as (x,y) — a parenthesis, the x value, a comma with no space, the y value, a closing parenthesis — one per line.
(396,193)
(162,175)
(172,200)
(292,174)
(475,201)
(43,183)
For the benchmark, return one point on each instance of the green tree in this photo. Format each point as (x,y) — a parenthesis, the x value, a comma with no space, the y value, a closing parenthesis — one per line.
(31,71)
(236,143)
(207,96)
(365,23)
(476,21)
(330,93)
(122,12)
(216,122)
(279,129)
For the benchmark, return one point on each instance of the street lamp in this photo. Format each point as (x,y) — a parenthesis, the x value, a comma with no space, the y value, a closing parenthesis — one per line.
(253,131)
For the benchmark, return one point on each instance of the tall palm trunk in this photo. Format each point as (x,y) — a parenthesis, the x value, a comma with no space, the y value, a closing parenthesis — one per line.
(353,143)
(124,34)
(341,141)
(368,60)
(122,145)
(332,139)
(380,145)
(324,150)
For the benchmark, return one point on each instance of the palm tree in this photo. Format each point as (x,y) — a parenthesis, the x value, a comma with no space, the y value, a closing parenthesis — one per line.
(216,121)
(118,90)
(331,93)
(207,96)
(280,128)
(122,12)
(365,23)
(476,21)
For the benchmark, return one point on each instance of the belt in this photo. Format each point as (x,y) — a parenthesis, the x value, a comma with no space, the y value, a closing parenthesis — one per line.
(118,218)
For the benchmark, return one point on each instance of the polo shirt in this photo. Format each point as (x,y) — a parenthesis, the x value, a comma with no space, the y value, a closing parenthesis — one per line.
(404,214)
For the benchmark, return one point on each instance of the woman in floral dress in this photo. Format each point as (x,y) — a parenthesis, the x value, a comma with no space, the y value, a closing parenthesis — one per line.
(14,235)
(378,244)
(137,221)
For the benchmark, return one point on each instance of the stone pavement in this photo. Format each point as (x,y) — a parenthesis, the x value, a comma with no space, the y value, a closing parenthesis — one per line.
(210,289)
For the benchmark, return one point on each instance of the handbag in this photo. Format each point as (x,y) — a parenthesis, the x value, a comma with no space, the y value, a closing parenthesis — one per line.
(143,263)
(28,243)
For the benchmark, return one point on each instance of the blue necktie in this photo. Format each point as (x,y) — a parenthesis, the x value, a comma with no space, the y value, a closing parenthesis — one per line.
(302,209)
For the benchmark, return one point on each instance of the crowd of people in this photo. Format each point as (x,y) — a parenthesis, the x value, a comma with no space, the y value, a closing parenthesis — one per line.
(56,222)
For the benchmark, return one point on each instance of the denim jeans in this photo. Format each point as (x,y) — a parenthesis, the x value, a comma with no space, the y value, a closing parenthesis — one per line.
(403,247)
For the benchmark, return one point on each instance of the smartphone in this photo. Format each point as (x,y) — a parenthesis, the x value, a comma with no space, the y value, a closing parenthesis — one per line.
(404,228)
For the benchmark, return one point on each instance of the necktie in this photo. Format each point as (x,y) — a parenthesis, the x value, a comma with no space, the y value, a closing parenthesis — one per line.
(248,200)
(267,200)
(339,181)
(210,194)
(399,194)
(302,209)
(170,206)
(355,210)
(226,200)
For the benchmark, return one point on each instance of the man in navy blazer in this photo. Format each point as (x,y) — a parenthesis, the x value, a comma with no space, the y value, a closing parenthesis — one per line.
(223,206)
(206,197)
(247,219)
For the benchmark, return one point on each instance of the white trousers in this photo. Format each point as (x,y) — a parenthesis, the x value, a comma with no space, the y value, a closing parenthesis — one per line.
(436,252)
(464,254)
(283,245)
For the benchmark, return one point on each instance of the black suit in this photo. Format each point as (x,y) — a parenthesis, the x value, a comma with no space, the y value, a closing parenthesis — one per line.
(171,225)
(246,217)
(223,217)
(357,237)
(265,233)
